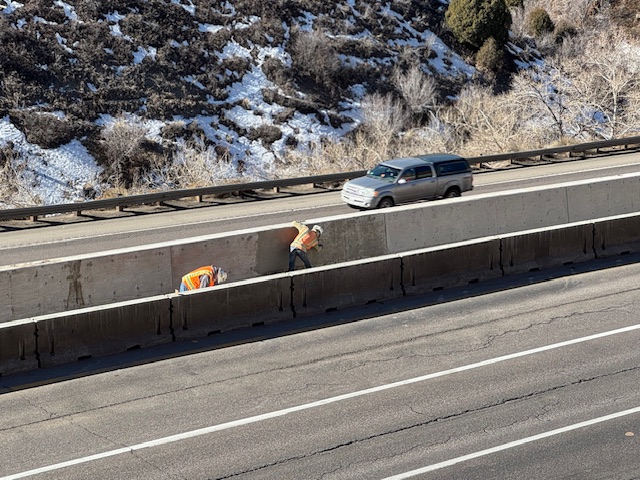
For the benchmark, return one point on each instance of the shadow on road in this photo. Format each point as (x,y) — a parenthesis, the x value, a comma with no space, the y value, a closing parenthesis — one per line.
(158,353)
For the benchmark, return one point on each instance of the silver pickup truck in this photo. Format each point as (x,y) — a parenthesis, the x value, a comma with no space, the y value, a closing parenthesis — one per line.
(404,180)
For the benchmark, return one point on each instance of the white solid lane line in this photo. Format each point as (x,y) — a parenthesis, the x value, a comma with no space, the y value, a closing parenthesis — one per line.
(515,443)
(319,403)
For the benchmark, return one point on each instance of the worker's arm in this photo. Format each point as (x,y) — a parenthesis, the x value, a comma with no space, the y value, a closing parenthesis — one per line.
(204,281)
(299,226)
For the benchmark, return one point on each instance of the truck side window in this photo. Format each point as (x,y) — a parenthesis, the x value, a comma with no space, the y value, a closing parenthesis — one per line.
(424,172)
(453,167)
(409,174)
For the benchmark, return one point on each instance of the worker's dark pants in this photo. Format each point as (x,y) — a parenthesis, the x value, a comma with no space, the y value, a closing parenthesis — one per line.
(298,253)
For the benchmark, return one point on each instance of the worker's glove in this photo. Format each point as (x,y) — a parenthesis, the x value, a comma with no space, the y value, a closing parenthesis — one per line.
(320,247)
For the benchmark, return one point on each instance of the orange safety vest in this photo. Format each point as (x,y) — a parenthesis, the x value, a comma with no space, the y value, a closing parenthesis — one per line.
(192,279)
(306,238)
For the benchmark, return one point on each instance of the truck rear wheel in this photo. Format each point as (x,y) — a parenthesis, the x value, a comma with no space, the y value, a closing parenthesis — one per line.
(452,193)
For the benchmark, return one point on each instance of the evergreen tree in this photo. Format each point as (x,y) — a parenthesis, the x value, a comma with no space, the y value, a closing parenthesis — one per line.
(473,22)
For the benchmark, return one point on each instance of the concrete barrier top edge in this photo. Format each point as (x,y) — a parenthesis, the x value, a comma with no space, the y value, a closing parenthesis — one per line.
(15,323)
(591,221)
(98,308)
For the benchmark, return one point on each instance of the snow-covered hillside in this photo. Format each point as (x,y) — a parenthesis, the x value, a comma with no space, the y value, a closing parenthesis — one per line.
(143,46)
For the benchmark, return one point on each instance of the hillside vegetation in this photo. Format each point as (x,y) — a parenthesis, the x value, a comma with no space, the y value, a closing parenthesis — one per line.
(182,93)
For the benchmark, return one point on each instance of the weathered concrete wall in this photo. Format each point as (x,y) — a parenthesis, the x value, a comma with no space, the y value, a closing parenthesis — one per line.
(67,336)
(40,288)
(57,285)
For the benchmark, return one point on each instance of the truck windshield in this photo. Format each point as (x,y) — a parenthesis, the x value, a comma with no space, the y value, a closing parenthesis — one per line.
(384,172)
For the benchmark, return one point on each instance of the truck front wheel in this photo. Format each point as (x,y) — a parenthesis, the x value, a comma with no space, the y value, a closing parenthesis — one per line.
(386,202)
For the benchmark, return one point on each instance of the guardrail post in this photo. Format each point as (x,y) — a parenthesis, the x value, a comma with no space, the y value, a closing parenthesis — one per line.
(34,218)
(199,198)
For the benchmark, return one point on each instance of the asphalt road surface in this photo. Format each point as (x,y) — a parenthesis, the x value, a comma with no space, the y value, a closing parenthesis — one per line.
(55,237)
(533,378)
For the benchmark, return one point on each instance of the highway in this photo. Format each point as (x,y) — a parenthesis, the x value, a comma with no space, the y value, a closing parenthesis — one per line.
(56,238)
(536,377)
(530,376)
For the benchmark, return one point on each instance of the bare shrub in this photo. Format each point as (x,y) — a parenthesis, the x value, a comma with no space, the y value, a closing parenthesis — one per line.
(14,192)
(433,137)
(125,152)
(519,29)
(417,89)
(312,56)
(384,117)
(535,91)
(383,113)
(357,152)
(193,164)
(360,151)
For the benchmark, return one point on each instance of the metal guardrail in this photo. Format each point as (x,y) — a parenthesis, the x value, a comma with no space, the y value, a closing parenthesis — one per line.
(628,143)
(158,197)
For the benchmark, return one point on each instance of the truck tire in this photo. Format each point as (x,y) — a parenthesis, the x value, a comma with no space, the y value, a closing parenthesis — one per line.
(386,202)
(451,193)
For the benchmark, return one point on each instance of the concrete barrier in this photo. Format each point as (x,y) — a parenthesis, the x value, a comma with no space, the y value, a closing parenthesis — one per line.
(454,265)
(243,254)
(351,237)
(18,350)
(66,337)
(606,197)
(231,306)
(71,283)
(58,285)
(455,220)
(617,235)
(549,247)
(349,284)
(89,332)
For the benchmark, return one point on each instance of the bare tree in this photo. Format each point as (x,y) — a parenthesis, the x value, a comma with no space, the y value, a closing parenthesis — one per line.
(484,122)
(604,85)
(537,95)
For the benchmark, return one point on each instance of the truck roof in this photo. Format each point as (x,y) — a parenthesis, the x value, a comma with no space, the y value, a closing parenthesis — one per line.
(434,158)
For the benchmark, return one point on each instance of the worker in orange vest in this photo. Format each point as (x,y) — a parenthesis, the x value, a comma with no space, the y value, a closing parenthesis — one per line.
(306,239)
(203,277)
